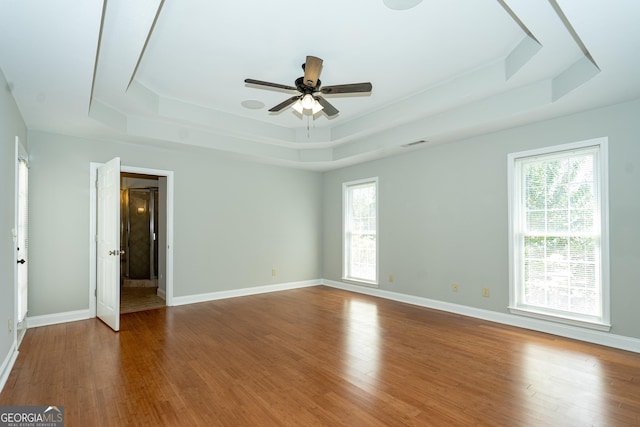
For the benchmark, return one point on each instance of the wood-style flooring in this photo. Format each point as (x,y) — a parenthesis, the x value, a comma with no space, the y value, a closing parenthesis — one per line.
(319,356)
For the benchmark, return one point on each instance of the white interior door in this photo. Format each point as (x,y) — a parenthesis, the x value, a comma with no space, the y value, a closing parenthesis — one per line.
(21,239)
(108,244)
(22,244)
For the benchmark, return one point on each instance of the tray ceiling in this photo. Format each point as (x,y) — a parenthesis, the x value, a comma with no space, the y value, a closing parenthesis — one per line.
(172,72)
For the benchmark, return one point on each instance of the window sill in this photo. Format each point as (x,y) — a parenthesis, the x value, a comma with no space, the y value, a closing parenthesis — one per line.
(589,324)
(360,282)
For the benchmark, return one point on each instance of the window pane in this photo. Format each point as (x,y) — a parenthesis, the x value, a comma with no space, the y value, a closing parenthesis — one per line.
(581,220)
(556,180)
(583,249)
(535,186)
(558,220)
(581,195)
(536,221)
(363,257)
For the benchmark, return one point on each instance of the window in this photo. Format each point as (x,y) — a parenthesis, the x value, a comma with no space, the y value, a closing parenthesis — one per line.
(360,206)
(559,234)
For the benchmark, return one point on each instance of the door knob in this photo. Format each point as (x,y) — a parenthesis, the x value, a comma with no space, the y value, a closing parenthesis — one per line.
(21,261)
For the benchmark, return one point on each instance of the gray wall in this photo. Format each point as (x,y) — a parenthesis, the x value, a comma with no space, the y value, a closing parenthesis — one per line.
(234,220)
(11,125)
(443,212)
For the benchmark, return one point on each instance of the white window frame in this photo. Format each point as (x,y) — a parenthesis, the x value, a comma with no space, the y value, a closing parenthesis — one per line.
(346,258)
(516,262)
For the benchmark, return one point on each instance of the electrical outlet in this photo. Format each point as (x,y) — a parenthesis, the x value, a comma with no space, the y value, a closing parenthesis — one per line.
(454,287)
(391,278)
(274,272)
(485,292)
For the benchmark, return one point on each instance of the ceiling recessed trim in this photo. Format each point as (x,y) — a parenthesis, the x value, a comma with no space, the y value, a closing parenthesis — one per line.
(95,61)
(572,31)
(146,42)
(517,20)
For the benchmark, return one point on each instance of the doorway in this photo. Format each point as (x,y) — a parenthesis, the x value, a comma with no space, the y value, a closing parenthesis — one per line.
(165,232)
(140,234)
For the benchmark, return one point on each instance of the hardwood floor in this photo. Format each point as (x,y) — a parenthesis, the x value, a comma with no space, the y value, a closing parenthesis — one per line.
(320,356)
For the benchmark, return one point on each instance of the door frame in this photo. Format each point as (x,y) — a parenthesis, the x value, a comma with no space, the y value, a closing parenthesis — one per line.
(92,229)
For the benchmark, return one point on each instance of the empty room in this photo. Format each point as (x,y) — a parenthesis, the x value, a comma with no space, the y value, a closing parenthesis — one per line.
(364,213)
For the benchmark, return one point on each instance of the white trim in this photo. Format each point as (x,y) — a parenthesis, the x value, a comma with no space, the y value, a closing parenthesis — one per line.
(7,365)
(92,228)
(93,201)
(233,293)
(360,283)
(559,319)
(567,331)
(55,318)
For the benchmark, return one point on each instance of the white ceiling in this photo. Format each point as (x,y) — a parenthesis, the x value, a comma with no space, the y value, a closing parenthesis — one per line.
(172,72)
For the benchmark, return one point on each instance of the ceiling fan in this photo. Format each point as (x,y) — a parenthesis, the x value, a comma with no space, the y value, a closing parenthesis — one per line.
(309,86)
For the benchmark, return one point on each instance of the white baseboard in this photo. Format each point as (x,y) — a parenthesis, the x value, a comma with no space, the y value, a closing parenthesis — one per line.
(52,319)
(7,365)
(162,294)
(567,331)
(211,296)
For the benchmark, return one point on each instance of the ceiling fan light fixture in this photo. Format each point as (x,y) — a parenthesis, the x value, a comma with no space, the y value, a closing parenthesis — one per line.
(316,107)
(308,101)
(298,106)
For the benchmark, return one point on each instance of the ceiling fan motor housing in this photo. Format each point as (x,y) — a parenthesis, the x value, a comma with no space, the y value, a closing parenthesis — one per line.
(303,88)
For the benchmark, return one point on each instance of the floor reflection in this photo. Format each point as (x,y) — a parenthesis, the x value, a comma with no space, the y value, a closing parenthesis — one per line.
(362,342)
(569,383)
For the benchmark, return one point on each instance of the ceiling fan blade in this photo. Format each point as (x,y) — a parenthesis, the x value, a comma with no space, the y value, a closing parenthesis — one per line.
(261,83)
(284,104)
(312,69)
(329,109)
(348,88)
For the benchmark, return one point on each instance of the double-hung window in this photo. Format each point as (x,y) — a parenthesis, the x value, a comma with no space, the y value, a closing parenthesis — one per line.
(360,225)
(558,234)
